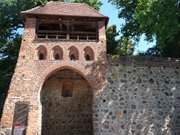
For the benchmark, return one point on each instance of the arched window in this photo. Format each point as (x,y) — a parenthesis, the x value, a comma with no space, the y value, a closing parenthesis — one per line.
(73,53)
(41,53)
(41,56)
(57,53)
(88,54)
(87,57)
(67,89)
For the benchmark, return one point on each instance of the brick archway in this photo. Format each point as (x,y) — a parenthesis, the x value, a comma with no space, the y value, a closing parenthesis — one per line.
(55,68)
(66,99)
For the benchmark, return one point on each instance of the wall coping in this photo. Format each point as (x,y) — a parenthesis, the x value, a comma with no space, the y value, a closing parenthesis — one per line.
(144,61)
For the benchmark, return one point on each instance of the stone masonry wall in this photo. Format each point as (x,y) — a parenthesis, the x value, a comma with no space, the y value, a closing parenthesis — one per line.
(142,97)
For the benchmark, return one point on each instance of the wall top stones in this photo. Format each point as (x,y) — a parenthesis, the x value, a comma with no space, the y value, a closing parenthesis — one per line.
(144,61)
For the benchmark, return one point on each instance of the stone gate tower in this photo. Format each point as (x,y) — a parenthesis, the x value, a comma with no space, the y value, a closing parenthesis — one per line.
(61,67)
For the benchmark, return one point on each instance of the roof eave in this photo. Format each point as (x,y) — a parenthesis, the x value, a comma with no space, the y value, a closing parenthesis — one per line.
(106,18)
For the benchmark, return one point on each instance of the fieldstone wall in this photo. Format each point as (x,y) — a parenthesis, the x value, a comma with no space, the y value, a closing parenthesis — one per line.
(142,97)
(5,131)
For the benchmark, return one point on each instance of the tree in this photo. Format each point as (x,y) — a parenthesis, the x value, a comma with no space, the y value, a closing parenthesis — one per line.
(154,18)
(125,47)
(10,40)
(93,3)
(118,45)
(154,51)
(112,42)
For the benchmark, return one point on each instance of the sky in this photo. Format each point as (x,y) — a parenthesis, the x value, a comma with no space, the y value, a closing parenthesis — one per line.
(110,10)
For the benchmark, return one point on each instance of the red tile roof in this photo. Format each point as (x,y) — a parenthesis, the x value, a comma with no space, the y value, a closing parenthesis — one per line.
(65,9)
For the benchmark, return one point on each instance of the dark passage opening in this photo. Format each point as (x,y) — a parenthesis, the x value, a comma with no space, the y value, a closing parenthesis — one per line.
(66,105)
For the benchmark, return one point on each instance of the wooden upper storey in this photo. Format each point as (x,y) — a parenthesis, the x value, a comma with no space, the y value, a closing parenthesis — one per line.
(66,21)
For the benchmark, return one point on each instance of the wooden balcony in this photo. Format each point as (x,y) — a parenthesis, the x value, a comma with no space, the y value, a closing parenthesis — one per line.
(67,36)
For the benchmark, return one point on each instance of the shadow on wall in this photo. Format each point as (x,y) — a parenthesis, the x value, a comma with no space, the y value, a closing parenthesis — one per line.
(139,100)
(98,70)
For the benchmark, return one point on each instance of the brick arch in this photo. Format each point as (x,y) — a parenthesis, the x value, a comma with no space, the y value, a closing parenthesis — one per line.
(66,90)
(41,53)
(73,53)
(88,54)
(42,78)
(57,53)
(47,73)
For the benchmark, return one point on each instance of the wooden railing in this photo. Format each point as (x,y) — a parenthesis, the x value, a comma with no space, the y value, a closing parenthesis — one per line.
(63,35)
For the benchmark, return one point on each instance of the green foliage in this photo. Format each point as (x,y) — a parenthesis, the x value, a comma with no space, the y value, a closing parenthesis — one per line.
(125,47)
(116,45)
(9,52)
(11,21)
(154,18)
(93,3)
(112,43)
